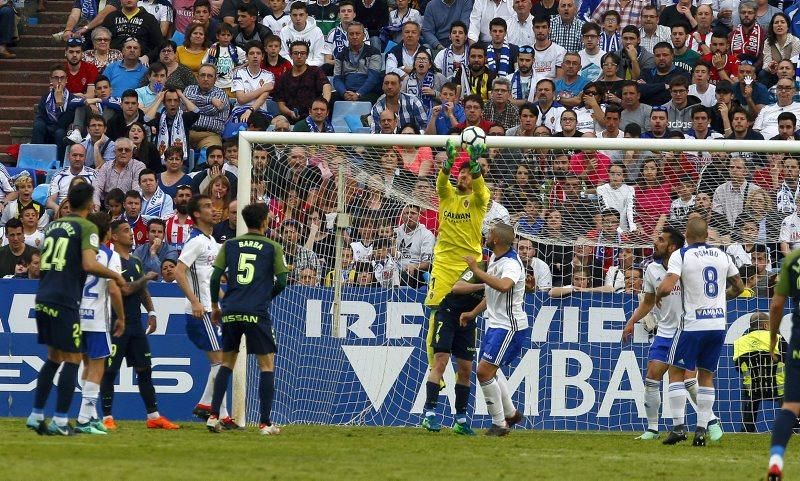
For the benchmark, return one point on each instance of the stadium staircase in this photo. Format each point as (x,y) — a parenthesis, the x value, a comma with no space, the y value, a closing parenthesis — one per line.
(24,80)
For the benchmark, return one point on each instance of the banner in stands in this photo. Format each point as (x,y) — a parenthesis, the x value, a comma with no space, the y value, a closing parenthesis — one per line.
(573,374)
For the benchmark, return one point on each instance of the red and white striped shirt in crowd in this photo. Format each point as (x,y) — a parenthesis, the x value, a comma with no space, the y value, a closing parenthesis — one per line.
(176,232)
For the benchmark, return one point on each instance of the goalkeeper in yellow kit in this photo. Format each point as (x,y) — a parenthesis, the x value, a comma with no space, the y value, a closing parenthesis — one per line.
(461,212)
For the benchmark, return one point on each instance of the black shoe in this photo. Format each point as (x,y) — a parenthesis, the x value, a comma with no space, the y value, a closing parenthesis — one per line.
(677,435)
(202,412)
(515,419)
(42,429)
(699,437)
(496,430)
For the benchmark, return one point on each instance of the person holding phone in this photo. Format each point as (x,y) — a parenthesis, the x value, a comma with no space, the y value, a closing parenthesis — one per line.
(156,76)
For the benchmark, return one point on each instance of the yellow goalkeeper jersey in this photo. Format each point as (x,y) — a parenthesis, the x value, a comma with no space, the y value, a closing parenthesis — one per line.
(460,220)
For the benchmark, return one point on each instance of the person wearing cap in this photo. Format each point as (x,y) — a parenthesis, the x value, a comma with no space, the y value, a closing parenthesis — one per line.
(767,121)
(720,120)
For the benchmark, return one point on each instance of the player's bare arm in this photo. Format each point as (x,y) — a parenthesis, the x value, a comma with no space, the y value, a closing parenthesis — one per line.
(90,265)
(500,284)
(147,302)
(138,284)
(466,317)
(735,287)
(645,306)
(666,286)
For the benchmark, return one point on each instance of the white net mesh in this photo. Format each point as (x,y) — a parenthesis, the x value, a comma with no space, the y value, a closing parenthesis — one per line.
(585,220)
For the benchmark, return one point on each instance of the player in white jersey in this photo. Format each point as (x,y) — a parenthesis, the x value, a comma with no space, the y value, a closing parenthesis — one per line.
(95,317)
(704,273)
(193,274)
(506,323)
(667,317)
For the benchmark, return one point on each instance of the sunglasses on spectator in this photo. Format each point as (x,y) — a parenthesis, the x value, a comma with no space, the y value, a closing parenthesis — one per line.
(526,49)
(102,39)
(75,42)
(183,186)
(659,108)
(124,149)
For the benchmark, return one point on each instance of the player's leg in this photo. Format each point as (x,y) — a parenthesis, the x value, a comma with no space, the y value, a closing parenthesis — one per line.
(710,348)
(206,337)
(98,348)
(682,357)
(786,418)
(510,352)
(441,334)
(44,380)
(231,338)
(714,427)
(139,356)
(499,348)
(68,340)
(656,368)
(463,375)
(442,279)
(119,348)
(266,393)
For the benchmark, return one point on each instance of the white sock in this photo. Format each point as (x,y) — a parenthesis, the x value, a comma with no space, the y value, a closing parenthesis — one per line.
(677,403)
(208,392)
(776,459)
(494,403)
(652,402)
(60,421)
(508,405)
(705,401)
(223,409)
(691,387)
(153,415)
(91,392)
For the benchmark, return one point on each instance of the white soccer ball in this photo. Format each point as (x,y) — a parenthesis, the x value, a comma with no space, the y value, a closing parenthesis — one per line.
(472,136)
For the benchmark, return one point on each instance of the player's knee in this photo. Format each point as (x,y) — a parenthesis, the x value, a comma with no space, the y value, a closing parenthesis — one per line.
(485,372)
(144,373)
(266,363)
(464,372)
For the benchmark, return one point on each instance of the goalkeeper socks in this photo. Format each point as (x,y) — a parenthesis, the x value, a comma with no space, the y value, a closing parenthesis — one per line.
(508,405)
(66,387)
(705,401)
(220,388)
(107,391)
(677,403)
(432,397)
(147,391)
(266,389)
(44,383)
(494,402)
(208,392)
(462,399)
(691,388)
(91,391)
(652,402)
(781,433)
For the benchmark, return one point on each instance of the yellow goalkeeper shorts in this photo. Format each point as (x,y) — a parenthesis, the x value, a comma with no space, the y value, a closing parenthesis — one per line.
(443,277)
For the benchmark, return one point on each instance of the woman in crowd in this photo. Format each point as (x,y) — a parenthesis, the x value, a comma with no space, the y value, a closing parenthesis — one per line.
(417,160)
(652,199)
(609,82)
(424,82)
(780,45)
(194,47)
(288,206)
(170,179)
(143,149)
(153,84)
(178,76)
(102,54)
(219,189)
(760,208)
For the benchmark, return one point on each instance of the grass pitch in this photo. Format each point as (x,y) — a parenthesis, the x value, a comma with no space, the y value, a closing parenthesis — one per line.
(355,453)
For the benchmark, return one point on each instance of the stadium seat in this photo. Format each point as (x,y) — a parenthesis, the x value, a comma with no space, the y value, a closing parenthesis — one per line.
(345,108)
(40,194)
(38,156)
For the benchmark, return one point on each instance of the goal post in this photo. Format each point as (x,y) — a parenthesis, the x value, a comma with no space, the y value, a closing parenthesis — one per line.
(351,326)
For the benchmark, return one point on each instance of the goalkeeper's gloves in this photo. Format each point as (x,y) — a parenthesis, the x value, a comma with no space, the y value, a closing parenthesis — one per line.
(452,152)
(476,152)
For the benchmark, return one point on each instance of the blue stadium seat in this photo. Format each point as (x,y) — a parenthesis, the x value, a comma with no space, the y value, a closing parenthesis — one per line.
(38,156)
(345,108)
(40,194)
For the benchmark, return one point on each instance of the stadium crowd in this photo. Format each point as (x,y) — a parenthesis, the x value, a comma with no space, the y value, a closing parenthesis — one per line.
(151,95)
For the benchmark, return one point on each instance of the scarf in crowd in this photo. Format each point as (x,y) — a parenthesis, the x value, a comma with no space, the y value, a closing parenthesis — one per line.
(449,57)
(50,105)
(747,43)
(232,52)
(610,43)
(312,126)
(155,206)
(414,88)
(518,89)
(499,60)
(607,255)
(88,9)
(175,136)
(339,41)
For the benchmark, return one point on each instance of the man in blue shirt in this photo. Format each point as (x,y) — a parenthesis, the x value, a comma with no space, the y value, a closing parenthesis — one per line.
(126,73)
(357,70)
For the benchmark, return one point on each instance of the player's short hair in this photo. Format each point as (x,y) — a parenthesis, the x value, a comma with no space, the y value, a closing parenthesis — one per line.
(254,215)
(675,236)
(102,221)
(194,205)
(80,196)
(504,233)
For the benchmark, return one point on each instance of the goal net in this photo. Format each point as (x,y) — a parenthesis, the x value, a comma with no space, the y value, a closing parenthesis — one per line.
(358,215)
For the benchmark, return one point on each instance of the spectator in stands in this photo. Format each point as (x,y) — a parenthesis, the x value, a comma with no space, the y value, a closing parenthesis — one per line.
(389,122)
(60,184)
(701,87)
(760,207)
(655,90)
(770,176)
(215,158)
(415,247)
(327,13)
(296,255)
(401,59)
(652,198)
(592,55)
(750,28)
(219,190)
(317,119)
(681,106)
(612,118)
(195,44)
(134,22)
(56,111)
(617,195)
(357,70)
(213,107)
(156,250)
(173,177)
(651,33)
(304,29)
(528,116)
(550,110)
(31,232)
(633,58)
(155,77)
(374,16)
(274,62)
(473,109)
(424,82)
(789,191)
(409,109)
(126,74)
(743,251)
(750,93)
(537,270)
(684,203)
(659,123)
(633,111)
(155,202)
(172,114)
(499,110)
(132,214)
(252,84)
(99,148)
(786,69)
(81,75)
(13,209)
(163,12)
(729,197)
(475,78)
(740,127)
(336,39)
(228,10)
(179,224)
(121,173)
(570,86)
(15,250)
(787,127)
(226,229)
(725,65)
(789,237)
(202,11)
(168,271)
(296,89)
(701,121)
(566,27)
(520,25)
(452,57)
(178,76)
(449,113)
(577,212)
(767,121)
(248,28)
(501,56)
(278,17)
(226,56)
(683,56)
(780,45)
(129,114)
(102,54)
(144,150)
